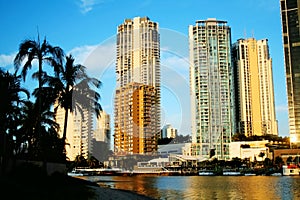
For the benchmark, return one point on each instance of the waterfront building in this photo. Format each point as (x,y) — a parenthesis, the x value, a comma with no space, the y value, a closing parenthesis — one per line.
(251,150)
(290,14)
(168,131)
(254,90)
(79,132)
(167,149)
(137,97)
(178,149)
(210,87)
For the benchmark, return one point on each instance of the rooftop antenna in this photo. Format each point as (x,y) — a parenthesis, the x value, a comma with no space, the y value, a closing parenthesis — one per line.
(37,30)
(245,33)
(252,33)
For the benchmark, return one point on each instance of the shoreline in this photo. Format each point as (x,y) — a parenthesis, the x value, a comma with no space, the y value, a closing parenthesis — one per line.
(107,193)
(34,186)
(104,192)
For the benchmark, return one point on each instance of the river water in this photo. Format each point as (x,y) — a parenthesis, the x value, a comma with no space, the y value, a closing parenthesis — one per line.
(207,187)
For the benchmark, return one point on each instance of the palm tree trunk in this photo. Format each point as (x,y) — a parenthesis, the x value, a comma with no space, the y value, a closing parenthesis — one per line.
(40,117)
(65,130)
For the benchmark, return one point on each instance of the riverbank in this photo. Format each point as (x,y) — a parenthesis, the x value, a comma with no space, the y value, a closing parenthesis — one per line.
(33,185)
(101,193)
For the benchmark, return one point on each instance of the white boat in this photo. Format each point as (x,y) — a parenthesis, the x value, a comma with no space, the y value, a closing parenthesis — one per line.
(231,173)
(206,173)
(250,174)
(75,173)
(276,174)
(290,170)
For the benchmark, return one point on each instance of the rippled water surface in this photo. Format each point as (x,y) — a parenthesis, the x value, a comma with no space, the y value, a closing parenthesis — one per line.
(207,187)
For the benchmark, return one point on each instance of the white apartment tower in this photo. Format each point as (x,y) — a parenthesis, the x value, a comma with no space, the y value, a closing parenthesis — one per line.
(79,132)
(254,90)
(137,98)
(210,87)
(169,132)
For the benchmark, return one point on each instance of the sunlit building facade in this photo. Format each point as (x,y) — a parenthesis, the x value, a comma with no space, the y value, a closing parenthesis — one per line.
(254,90)
(137,98)
(168,131)
(210,88)
(79,132)
(290,15)
(135,111)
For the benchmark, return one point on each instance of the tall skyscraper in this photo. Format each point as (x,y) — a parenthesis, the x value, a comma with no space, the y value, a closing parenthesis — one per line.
(290,15)
(79,132)
(137,98)
(101,137)
(254,90)
(210,85)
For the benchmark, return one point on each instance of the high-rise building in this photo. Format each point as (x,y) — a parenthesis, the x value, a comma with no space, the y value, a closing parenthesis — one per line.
(290,15)
(101,141)
(137,98)
(102,130)
(168,131)
(254,90)
(135,111)
(210,87)
(79,132)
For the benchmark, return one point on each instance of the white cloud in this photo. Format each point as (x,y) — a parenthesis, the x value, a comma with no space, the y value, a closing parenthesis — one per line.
(96,58)
(7,60)
(88,5)
(281,108)
(179,64)
(81,53)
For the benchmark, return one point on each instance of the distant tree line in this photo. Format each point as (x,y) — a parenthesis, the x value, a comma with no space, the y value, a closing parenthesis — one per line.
(178,139)
(274,138)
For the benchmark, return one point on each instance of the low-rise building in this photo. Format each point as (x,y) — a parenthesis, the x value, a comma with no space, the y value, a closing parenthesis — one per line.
(252,150)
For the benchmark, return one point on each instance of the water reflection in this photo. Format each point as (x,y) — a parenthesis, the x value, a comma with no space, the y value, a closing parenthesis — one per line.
(211,187)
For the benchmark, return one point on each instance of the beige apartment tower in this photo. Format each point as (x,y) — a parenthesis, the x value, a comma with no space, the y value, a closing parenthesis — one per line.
(79,132)
(137,97)
(254,90)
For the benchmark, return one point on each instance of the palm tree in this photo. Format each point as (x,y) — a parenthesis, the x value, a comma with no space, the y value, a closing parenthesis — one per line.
(74,92)
(9,110)
(29,139)
(30,50)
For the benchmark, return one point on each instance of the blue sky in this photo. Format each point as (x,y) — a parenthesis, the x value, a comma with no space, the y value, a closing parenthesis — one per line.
(87,29)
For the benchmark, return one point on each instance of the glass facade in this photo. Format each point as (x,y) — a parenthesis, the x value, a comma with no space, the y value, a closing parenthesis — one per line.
(291,44)
(210,83)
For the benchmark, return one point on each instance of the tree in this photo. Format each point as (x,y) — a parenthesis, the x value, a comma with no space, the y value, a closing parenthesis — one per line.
(267,163)
(36,146)
(279,161)
(73,90)
(289,160)
(261,154)
(30,50)
(10,101)
(93,162)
